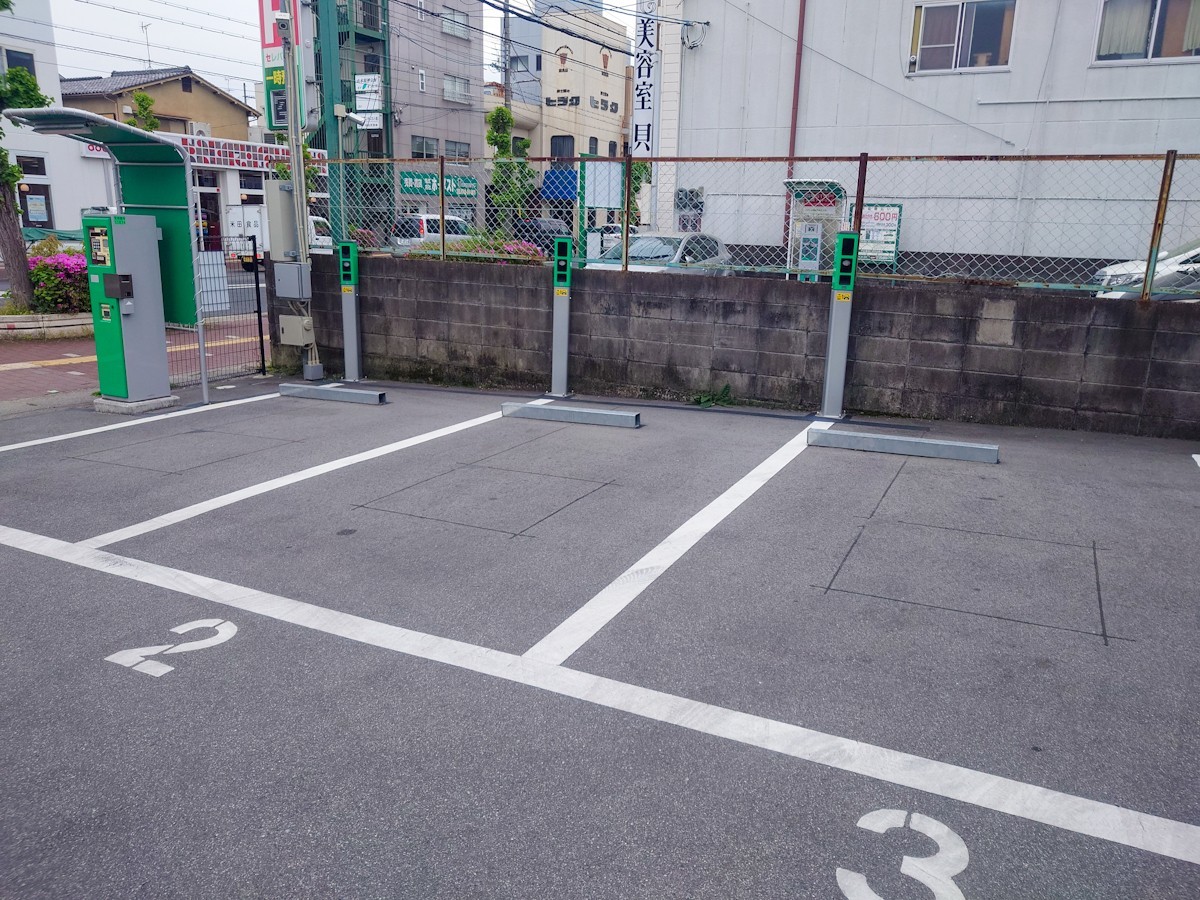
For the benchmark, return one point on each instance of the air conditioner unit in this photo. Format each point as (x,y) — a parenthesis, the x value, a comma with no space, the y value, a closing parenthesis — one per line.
(199,129)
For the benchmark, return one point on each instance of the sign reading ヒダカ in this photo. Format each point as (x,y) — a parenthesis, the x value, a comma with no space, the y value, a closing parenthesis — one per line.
(644,137)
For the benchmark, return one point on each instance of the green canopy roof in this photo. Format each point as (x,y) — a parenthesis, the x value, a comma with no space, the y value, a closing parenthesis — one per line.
(126,143)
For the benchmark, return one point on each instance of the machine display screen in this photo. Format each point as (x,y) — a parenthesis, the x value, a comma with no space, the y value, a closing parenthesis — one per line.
(98,243)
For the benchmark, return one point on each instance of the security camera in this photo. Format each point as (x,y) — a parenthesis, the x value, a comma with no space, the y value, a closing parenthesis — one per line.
(355,118)
(283,23)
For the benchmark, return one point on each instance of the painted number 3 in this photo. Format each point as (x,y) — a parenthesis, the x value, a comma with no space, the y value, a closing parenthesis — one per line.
(935,872)
(136,658)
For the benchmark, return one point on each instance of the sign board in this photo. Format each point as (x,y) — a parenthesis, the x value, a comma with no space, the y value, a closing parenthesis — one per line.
(368,101)
(93,151)
(646,65)
(426,184)
(808,255)
(274,76)
(603,184)
(880,242)
(220,153)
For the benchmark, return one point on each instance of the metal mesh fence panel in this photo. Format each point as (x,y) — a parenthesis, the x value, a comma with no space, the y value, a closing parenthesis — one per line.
(231,301)
(1032,221)
(1178,270)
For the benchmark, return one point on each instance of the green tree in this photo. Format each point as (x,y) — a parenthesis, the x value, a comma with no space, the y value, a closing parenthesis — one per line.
(143,112)
(18,90)
(640,173)
(513,178)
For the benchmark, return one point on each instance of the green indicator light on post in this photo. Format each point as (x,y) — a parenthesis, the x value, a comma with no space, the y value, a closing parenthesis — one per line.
(562,262)
(845,261)
(347,252)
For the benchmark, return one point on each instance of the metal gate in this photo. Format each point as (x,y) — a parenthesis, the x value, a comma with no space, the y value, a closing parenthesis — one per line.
(231,303)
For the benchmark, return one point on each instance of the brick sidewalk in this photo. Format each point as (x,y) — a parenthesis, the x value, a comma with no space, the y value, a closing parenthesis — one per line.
(36,368)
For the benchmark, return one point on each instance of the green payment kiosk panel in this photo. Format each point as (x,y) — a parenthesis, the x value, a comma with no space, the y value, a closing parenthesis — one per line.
(125,288)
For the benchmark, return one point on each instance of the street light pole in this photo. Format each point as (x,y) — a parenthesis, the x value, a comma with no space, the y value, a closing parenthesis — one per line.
(287,23)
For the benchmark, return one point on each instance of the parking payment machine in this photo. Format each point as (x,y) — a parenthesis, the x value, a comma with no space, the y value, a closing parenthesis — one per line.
(127,306)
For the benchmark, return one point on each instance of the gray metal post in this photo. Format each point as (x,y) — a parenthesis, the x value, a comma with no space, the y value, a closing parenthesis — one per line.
(561,336)
(836,347)
(350,335)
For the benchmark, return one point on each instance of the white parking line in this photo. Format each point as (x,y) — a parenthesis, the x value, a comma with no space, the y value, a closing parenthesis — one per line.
(1154,834)
(582,625)
(206,506)
(131,422)
(1196,458)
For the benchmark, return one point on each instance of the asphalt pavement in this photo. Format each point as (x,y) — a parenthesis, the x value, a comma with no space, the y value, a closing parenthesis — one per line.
(302,648)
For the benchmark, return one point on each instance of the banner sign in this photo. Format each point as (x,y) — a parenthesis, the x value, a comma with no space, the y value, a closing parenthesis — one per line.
(427,184)
(644,137)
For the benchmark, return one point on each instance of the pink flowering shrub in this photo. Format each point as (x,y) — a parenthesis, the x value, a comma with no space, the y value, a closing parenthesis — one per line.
(484,248)
(60,283)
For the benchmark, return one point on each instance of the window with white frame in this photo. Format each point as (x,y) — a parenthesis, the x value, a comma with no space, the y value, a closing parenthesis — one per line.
(455,22)
(424,147)
(1149,29)
(421,80)
(421,10)
(973,35)
(456,89)
(457,150)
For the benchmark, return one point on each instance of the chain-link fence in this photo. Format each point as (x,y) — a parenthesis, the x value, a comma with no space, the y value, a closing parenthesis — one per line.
(231,300)
(1083,221)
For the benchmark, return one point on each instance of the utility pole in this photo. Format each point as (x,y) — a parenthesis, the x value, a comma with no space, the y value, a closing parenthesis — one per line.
(145,26)
(295,122)
(506,50)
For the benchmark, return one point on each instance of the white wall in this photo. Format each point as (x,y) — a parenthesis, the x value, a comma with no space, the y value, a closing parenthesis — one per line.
(75,182)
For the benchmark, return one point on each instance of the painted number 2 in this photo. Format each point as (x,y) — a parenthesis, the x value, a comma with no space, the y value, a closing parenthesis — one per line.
(935,872)
(136,658)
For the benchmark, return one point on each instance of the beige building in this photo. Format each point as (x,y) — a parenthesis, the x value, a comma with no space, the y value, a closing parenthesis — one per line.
(569,93)
(184,103)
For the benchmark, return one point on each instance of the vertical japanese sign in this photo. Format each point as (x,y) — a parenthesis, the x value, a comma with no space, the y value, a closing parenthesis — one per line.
(646,66)
(274,75)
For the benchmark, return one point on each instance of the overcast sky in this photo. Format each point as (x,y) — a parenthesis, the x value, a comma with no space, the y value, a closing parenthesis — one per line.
(220,42)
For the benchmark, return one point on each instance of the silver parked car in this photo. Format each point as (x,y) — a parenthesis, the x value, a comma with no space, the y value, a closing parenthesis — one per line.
(665,252)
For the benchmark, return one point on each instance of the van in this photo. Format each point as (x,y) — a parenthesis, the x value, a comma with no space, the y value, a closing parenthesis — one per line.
(411,230)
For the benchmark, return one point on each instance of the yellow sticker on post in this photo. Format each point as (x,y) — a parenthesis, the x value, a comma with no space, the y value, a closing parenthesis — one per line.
(561,292)
(347,289)
(842,296)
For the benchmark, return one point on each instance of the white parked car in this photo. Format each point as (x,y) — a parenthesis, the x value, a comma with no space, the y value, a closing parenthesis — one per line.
(664,252)
(1118,275)
(411,230)
(320,234)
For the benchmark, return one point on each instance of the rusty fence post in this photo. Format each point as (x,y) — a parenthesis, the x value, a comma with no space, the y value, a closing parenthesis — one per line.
(860,193)
(1160,218)
(628,206)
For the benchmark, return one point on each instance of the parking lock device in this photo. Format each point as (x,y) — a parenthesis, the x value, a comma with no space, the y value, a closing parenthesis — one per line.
(125,289)
(347,257)
(841,302)
(563,253)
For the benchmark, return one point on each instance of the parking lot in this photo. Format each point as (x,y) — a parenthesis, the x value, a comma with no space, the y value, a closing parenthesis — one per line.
(300,648)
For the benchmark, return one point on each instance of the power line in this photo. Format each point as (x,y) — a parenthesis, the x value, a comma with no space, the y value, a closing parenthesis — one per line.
(93,51)
(209,15)
(141,15)
(125,40)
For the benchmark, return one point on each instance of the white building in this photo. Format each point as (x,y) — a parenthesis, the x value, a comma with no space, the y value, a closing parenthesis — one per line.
(59,176)
(910,77)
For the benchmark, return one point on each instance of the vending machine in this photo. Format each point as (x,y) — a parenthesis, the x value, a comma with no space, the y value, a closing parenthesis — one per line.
(125,285)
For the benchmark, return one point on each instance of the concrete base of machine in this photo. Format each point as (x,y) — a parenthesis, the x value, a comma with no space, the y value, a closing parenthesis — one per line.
(904,446)
(314,371)
(133,407)
(332,392)
(573,414)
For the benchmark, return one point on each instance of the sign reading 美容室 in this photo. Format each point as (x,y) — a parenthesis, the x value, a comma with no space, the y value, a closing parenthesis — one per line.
(427,184)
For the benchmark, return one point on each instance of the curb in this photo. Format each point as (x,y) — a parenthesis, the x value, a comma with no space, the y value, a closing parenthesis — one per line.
(36,326)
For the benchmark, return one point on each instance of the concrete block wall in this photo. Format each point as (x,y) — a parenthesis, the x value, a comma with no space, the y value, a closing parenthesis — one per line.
(962,352)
